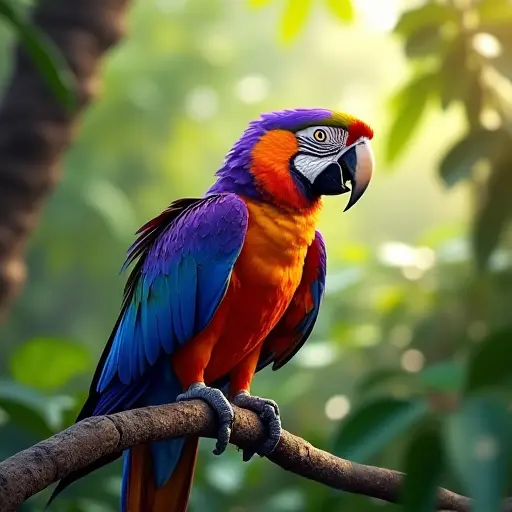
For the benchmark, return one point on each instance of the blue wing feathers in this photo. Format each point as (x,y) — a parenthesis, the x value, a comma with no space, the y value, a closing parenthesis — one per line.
(119,396)
(179,311)
(143,360)
(183,278)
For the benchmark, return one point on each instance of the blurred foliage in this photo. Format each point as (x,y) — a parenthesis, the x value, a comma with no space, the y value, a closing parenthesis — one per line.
(409,364)
(296,13)
(44,53)
(462,53)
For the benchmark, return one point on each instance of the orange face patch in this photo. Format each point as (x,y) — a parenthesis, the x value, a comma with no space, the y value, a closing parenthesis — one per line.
(270,167)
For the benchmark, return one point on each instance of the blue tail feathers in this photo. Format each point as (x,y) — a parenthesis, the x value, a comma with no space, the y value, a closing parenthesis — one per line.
(163,388)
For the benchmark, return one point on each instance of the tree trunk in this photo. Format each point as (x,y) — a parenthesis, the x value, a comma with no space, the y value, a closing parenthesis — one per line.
(35,129)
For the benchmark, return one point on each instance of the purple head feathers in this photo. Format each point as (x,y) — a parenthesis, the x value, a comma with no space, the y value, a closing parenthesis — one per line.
(235,175)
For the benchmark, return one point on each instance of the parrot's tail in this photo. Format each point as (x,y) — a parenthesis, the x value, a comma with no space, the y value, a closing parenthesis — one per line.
(140,493)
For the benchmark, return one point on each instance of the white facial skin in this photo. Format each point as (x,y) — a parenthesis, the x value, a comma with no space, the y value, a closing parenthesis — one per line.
(319,146)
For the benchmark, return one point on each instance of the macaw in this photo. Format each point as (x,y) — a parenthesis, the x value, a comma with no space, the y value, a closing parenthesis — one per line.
(223,286)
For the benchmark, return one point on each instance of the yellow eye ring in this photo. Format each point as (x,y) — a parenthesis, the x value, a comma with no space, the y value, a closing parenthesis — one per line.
(320,135)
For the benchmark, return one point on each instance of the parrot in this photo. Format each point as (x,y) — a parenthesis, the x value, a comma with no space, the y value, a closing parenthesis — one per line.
(223,286)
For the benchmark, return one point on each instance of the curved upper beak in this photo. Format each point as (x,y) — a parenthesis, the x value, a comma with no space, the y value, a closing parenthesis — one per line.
(355,165)
(361,175)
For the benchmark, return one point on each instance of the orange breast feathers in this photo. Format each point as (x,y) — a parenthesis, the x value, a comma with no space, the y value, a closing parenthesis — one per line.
(276,243)
(265,278)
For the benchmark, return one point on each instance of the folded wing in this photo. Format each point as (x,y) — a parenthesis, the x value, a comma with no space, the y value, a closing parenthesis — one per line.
(185,259)
(294,328)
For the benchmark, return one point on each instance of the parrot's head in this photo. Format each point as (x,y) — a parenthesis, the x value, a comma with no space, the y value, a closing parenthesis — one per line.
(293,157)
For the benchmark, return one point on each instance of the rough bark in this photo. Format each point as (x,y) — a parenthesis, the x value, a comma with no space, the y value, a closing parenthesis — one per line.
(31,470)
(35,129)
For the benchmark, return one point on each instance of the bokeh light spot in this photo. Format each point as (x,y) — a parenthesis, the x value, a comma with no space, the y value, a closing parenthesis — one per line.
(485,448)
(337,407)
(412,360)
(201,103)
(316,355)
(490,119)
(487,45)
(252,88)
(400,336)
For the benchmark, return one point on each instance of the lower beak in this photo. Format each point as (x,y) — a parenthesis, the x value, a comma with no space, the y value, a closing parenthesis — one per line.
(354,166)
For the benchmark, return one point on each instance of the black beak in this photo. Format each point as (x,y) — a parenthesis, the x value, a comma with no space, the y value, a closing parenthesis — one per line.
(354,166)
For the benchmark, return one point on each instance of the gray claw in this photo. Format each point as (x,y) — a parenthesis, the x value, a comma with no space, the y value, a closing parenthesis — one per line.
(216,399)
(268,411)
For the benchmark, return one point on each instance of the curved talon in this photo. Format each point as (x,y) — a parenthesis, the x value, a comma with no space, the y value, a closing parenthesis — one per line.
(268,411)
(215,399)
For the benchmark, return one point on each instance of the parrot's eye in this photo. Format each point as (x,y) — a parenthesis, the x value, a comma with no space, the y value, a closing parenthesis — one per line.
(320,135)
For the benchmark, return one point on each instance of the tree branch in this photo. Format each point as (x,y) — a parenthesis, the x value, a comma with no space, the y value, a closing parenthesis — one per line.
(35,468)
(35,129)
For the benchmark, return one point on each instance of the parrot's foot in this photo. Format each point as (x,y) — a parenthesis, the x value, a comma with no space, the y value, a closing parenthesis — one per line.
(216,399)
(268,412)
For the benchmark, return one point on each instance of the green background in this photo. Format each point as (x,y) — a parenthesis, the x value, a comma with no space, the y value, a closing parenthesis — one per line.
(408,366)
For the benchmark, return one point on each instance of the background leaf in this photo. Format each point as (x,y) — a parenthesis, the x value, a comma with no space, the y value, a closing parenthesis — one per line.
(25,407)
(259,3)
(494,212)
(428,15)
(454,75)
(410,106)
(374,425)
(477,440)
(45,55)
(489,364)
(459,161)
(342,9)
(48,364)
(424,42)
(494,11)
(423,468)
(445,377)
(379,379)
(294,18)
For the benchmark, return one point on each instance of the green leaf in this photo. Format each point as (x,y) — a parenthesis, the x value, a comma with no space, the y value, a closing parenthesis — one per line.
(410,106)
(430,14)
(477,444)
(490,11)
(48,364)
(423,469)
(342,9)
(495,210)
(25,407)
(459,161)
(376,424)
(380,378)
(258,3)
(455,76)
(445,377)
(424,42)
(45,55)
(294,18)
(489,363)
